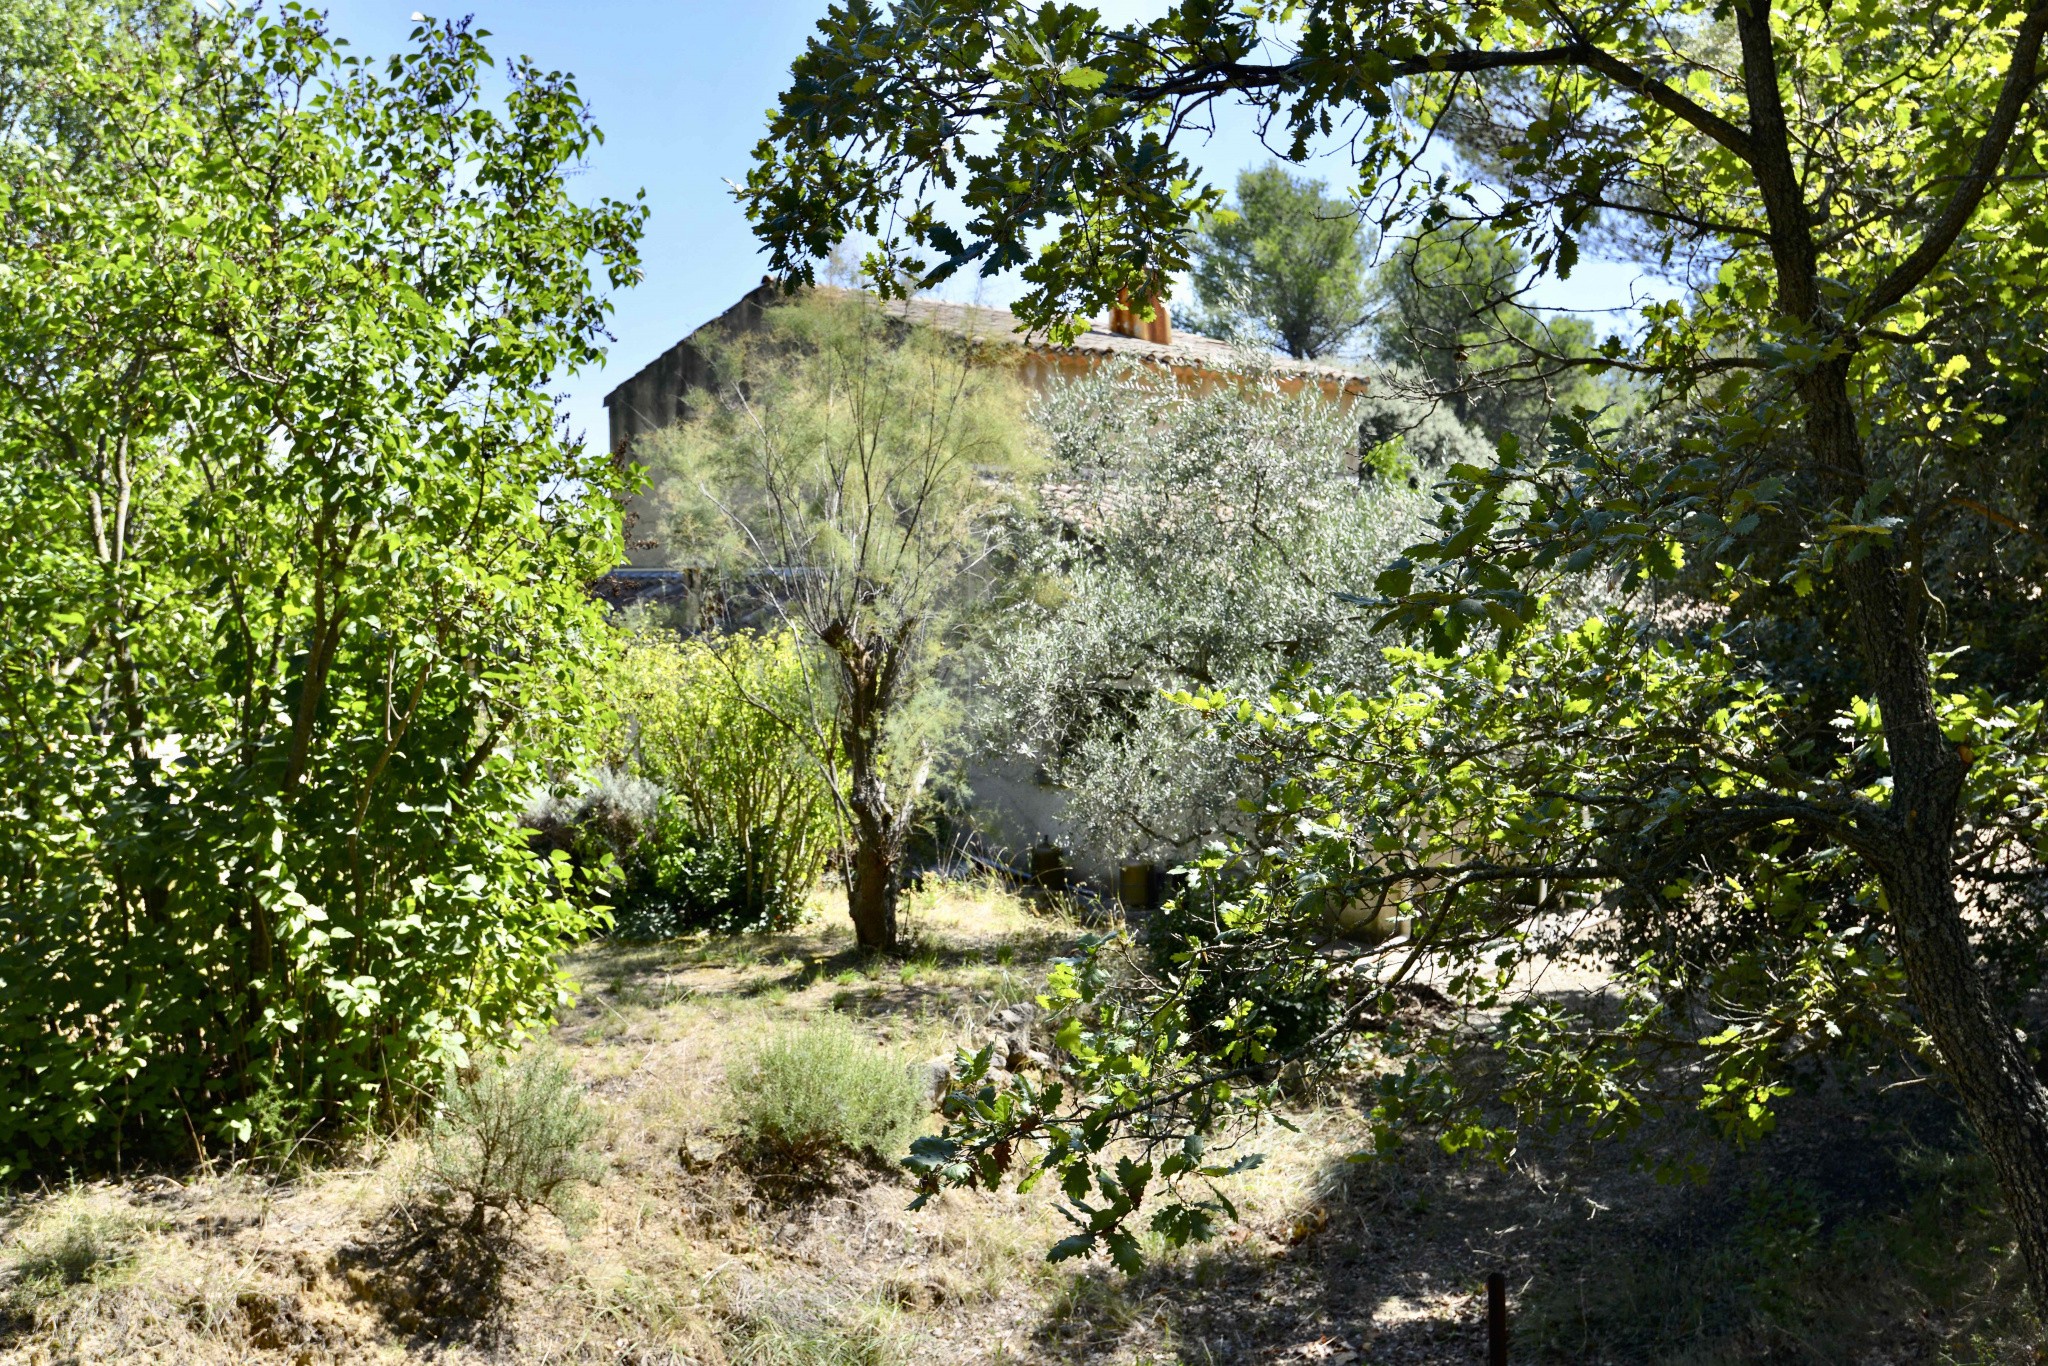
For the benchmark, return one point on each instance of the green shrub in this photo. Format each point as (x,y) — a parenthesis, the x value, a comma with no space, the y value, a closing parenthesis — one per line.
(678,881)
(748,817)
(812,1092)
(267,725)
(512,1139)
(721,726)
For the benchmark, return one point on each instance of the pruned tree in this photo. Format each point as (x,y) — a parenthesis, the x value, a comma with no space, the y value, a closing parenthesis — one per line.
(850,472)
(1836,188)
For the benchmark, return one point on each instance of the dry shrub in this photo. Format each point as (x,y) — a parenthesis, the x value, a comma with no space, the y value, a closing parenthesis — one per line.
(512,1138)
(813,1092)
(74,1240)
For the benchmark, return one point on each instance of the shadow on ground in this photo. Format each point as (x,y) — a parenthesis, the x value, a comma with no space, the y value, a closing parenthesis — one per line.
(1863,1231)
(430,1278)
(931,973)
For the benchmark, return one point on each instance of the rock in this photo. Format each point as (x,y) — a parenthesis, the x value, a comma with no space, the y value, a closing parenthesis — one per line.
(698,1153)
(936,1074)
(1010,1034)
(1037,1060)
(999,1046)
(1021,1015)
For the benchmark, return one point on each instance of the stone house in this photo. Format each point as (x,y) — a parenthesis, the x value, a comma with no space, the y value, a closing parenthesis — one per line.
(658,394)
(1013,807)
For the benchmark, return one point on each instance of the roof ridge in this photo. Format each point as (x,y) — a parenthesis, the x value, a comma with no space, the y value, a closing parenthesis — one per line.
(1209,351)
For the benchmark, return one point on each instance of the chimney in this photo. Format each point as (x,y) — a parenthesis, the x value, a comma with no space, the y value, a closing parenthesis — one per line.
(1125,322)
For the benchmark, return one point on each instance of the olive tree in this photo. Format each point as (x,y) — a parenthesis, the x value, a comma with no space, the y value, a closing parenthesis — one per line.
(1192,539)
(1834,188)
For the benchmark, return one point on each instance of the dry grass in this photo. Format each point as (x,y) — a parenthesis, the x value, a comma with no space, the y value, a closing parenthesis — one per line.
(687,1259)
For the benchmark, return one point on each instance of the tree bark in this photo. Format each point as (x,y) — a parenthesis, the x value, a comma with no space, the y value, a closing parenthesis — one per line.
(870,664)
(872,868)
(1980,1052)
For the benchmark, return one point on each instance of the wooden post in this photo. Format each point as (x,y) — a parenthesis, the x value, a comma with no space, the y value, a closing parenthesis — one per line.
(1497,1320)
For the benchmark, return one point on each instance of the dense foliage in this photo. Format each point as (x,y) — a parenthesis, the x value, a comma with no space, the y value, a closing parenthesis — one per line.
(1285,266)
(1596,797)
(677,881)
(286,581)
(1190,539)
(852,473)
(746,819)
(1846,201)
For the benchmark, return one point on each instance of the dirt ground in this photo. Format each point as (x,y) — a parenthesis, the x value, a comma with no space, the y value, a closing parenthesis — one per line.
(1865,1231)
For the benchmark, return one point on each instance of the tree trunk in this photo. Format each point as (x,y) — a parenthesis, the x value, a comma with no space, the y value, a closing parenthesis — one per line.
(1980,1052)
(1981,1055)
(873,864)
(869,665)
(872,875)
(1911,844)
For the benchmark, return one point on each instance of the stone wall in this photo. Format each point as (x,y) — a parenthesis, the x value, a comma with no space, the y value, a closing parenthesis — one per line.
(656,396)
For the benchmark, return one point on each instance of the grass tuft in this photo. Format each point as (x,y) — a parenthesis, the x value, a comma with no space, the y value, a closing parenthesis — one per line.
(75,1241)
(764,1328)
(816,1091)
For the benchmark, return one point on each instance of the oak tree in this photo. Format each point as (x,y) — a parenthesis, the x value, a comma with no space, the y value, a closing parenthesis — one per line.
(1835,186)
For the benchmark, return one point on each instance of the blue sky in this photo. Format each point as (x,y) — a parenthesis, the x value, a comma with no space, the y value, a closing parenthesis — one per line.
(680,88)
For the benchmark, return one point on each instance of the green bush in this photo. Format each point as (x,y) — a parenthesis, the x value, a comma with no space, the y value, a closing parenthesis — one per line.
(512,1138)
(719,722)
(678,881)
(286,614)
(815,1091)
(1215,943)
(745,816)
